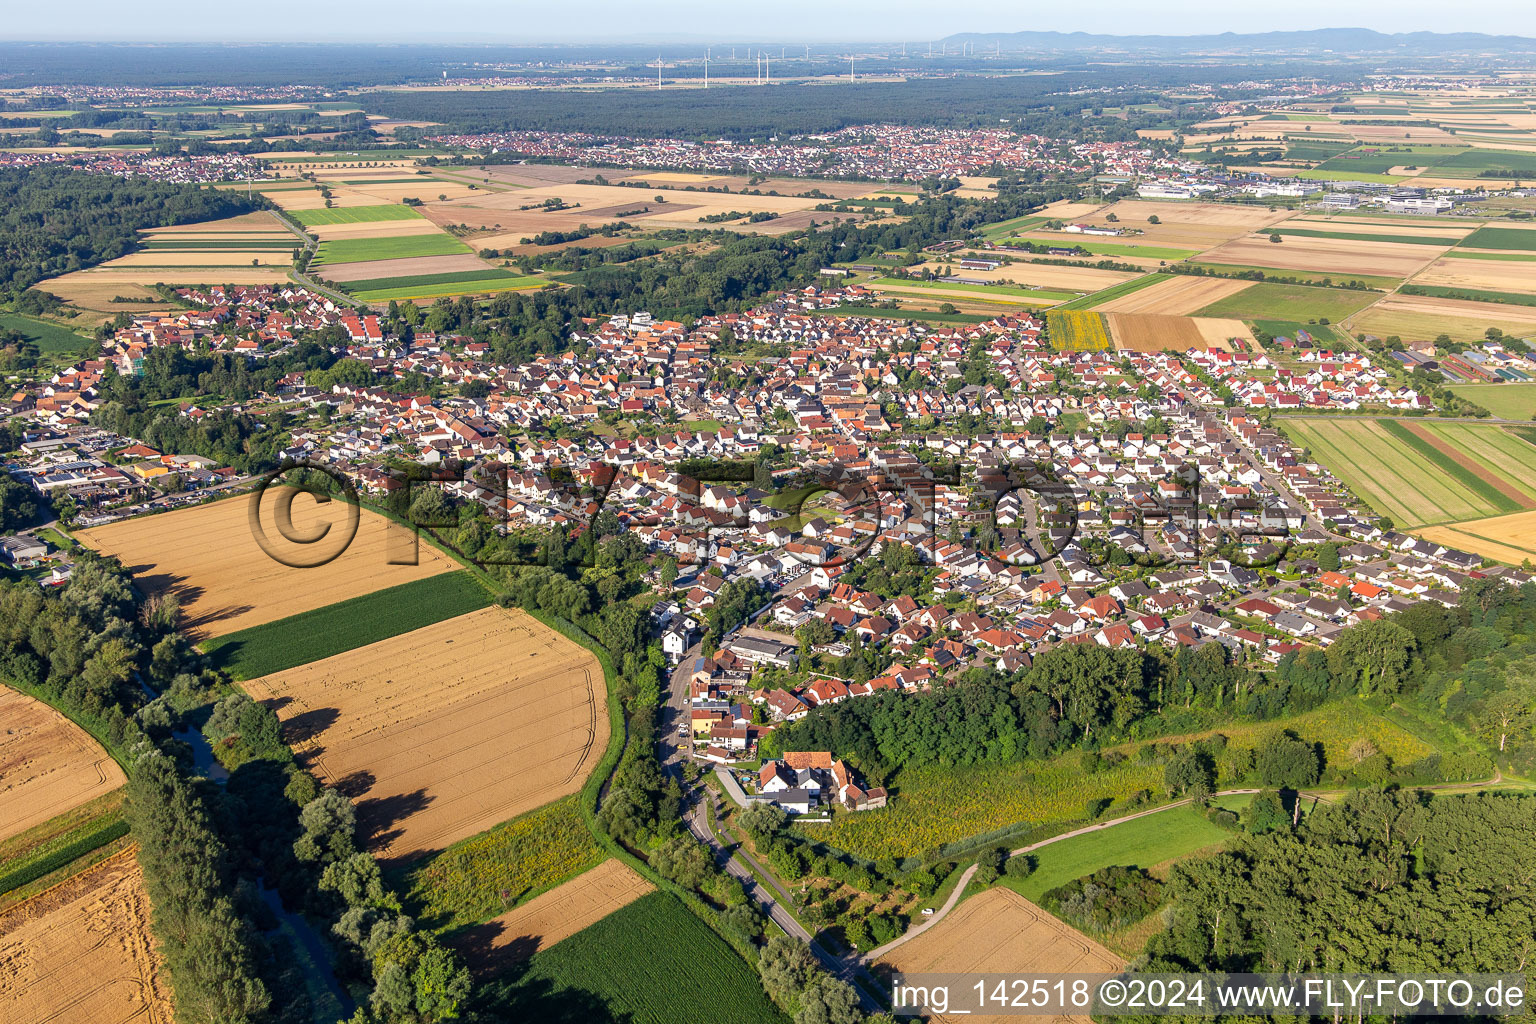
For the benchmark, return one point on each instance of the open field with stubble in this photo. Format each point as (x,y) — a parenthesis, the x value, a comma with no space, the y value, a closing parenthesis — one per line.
(1510,538)
(999,931)
(1338,256)
(82,952)
(1177,296)
(208,558)
(440,733)
(48,764)
(552,916)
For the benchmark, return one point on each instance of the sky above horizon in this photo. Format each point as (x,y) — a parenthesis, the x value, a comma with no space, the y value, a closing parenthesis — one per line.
(610,21)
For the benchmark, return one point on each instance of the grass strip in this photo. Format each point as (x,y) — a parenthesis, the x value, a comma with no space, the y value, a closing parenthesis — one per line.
(346,625)
(61,851)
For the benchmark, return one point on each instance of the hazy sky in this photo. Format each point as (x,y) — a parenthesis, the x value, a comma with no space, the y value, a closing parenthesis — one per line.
(783,21)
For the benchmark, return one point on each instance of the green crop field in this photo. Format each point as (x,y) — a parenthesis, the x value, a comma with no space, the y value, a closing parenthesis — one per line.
(1516,257)
(367,250)
(1360,236)
(1506,401)
(651,962)
(354,214)
(1141,843)
(1146,252)
(1401,474)
(486,875)
(1115,291)
(1270,301)
(48,337)
(476,285)
(1471,162)
(1501,238)
(934,806)
(356,622)
(381,283)
(1012,227)
(1381,159)
(1077,331)
(1474,294)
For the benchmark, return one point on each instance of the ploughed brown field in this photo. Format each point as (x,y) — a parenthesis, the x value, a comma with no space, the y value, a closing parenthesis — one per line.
(1000,932)
(81,953)
(440,733)
(209,559)
(48,764)
(551,916)
(1152,332)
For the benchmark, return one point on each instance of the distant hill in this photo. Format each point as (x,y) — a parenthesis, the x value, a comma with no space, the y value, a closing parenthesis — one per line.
(1352,41)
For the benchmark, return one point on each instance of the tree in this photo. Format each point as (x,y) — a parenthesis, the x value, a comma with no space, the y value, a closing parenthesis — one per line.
(828,1000)
(785,967)
(1274,236)
(1190,773)
(1328,557)
(1374,654)
(1286,762)
(1266,814)
(329,823)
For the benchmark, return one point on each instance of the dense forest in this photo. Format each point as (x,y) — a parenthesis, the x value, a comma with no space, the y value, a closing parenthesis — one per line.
(55,219)
(1474,664)
(1040,104)
(1381,881)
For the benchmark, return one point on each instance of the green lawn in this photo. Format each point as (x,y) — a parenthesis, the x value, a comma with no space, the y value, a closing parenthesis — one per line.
(1269,301)
(1501,238)
(355,214)
(365,250)
(1141,843)
(1506,401)
(346,625)
(651,962)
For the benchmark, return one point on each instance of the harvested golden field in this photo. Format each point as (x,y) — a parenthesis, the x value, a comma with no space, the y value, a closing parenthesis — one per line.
(208,558)
(48,764)
(1508,538)
(175,262)
(1067,209)
(1153,332)
(94,290)
(443,732)
(1184,225)
(551,916)
(1000,932)
(1414,326)
(1429,306)
(1423,227)
(82,952)
(1489,275)
(1218,333)
(1326,255)
(1175,296)
(261,222)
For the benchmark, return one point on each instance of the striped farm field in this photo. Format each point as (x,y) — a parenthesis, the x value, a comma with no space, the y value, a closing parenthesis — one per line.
(1409,471)
(355,214)
(366,250)
(1510,538)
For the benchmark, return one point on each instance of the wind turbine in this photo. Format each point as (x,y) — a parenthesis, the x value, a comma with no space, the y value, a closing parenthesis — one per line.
(850,70)
(706,69)
(658,71)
